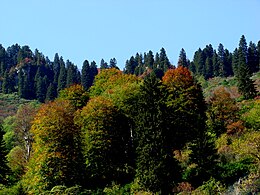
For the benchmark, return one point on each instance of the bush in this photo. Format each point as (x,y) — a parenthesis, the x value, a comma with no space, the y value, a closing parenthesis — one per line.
(210,187)
(13,190)
(231,172)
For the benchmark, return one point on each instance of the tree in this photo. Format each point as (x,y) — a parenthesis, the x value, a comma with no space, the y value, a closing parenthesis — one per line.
(62,80)
(222,111)
(186,106)
(103,64)
(112,63)
(235,61)
(23,119)
(209,68)
(186,120)
(149,60)
(76,94)
(8,83)
(216,68)
(72,74)
(253,58)
(3,161)
(130,66)
(199,61)
(51,93)
(245,84)
(164,62)
(56,68)
(57,156)
(155,166)
(221,60)
(106,134)
(88,74)
(183,59)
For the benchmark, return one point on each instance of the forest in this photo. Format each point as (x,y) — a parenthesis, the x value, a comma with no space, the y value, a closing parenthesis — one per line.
(151,128)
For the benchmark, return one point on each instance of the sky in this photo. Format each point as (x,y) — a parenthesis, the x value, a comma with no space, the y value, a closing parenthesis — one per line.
(96,29)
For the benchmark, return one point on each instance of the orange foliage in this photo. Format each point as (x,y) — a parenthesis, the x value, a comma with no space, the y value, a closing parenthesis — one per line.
(235,128)
(178,77)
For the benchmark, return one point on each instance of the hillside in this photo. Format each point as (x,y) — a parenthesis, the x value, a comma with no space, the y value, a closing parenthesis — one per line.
(9,104)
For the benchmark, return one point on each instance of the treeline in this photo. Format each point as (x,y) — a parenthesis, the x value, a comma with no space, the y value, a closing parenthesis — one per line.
(34,76)
(207,62)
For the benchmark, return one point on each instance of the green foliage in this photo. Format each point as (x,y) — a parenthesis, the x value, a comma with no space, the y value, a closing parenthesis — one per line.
(222,111)
(210,187)
(232,171)
(16,189)
(106,140)
(57,157)
(156,170)
(76,95)
(251,118)
(3,166)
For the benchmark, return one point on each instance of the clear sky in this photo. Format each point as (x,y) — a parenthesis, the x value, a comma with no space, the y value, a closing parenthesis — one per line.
(95,29)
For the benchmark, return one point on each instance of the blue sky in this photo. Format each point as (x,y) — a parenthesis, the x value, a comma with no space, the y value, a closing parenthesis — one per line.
(95,29)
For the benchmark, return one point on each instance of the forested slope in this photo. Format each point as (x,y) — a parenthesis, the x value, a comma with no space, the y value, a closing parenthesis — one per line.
(151,129)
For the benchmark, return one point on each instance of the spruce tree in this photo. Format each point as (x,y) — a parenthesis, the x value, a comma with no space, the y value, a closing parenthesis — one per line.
(183,59)
(245,84)
(93,70)
(103,64)
(130,66)
(252,58)
(164,62)
(221,60)
(155,169)
(51,92)
(56,68)
(235,62)
(209,68)
(149,60)
(113,63)
(86,75)
(215,64)
(62,80)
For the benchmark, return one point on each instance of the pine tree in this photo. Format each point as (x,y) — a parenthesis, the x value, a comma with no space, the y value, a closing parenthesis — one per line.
(51,92)
(103,64)
(113,63)
(199,61)
(209,68)
(40,89)
(245,84)
(56,68)
(164,62)
(252,58)
(216,68)
(72,71)
(93,70)
(8,83)
(155,169)
(86,75)
(235,61)
(62,80)
(221,60)
(149,60)
(183,59)
(130,66)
